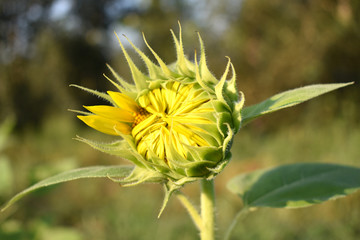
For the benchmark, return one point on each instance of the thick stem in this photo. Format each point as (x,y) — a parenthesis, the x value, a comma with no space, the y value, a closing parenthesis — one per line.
(207,209)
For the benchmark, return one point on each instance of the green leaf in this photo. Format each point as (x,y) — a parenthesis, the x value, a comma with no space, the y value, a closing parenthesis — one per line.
(295,185)
(287,99)
(87,172)
(6,176)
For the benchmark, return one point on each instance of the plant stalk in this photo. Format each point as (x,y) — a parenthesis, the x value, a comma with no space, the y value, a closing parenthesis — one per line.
(194,214)
(238,216)
(207,209)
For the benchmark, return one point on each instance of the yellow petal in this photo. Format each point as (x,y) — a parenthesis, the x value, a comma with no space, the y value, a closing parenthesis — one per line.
(123,101)
(192,119)
(187,132)
(148,125)
(105,125)
(175,141)
(181,95)
(190,105)
(112,113)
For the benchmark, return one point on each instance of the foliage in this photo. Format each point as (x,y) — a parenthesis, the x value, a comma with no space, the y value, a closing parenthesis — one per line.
(274,46)
(295,185)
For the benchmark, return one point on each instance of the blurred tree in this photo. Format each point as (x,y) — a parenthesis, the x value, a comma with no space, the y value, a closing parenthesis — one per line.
(283,45)
(46,45)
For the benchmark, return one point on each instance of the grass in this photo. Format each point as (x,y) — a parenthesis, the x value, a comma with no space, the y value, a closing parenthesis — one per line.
(100,209)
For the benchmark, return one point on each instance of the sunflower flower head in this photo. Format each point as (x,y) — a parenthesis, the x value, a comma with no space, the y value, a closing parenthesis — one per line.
(176,123)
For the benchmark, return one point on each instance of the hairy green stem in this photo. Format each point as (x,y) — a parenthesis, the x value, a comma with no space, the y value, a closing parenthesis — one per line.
(194,214)
(238,216)
(207,210)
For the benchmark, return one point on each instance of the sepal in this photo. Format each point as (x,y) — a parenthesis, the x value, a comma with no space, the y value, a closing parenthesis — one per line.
(169,189)
(140,175)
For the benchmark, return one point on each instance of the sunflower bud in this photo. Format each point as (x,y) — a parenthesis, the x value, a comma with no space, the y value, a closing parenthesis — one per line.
(177,122)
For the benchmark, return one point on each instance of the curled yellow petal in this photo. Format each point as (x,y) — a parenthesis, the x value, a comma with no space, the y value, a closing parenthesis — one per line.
(110,112)
(191,135)
(189,106)
(123,101)
(105,125)
(192,120)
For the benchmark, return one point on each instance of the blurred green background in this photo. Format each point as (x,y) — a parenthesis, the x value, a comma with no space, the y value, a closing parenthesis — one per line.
(274,45)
